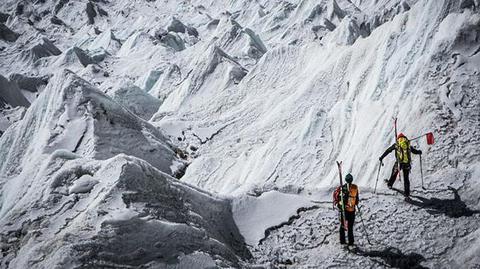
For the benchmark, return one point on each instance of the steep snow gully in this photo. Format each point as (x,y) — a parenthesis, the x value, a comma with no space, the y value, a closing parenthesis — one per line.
(204,134)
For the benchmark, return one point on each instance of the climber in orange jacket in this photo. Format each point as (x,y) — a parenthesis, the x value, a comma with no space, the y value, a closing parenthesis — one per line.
(350,200)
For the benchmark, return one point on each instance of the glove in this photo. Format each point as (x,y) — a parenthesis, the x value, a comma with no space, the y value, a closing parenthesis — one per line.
(420,152)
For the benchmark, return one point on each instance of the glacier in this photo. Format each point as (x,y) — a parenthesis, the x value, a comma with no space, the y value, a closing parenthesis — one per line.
(204,134)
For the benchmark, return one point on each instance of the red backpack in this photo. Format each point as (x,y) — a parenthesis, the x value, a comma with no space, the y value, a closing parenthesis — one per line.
(336,196)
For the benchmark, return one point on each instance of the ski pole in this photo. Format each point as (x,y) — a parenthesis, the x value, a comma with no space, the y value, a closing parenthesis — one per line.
(421,171)
(363,225)
(378,174)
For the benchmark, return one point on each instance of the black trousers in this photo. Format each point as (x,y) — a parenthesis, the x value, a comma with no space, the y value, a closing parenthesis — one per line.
(405,167)
(350,216)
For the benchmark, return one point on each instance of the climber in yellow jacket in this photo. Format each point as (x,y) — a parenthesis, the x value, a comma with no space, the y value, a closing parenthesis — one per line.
(403,151)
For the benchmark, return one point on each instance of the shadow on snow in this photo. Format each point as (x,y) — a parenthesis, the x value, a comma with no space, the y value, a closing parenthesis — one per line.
(393,257)
(454,208)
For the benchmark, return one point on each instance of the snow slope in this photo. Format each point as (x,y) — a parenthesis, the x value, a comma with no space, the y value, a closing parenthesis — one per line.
(303,107)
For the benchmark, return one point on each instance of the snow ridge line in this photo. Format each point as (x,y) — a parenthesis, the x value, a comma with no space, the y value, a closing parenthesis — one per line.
(290,220)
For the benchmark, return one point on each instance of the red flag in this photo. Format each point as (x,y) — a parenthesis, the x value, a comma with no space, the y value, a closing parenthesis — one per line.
(430,139)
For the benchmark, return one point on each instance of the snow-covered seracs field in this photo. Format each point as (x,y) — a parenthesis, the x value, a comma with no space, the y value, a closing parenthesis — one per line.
(200,134)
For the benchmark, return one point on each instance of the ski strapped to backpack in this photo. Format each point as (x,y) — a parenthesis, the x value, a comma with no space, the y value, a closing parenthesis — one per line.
(342,209)
(396,148)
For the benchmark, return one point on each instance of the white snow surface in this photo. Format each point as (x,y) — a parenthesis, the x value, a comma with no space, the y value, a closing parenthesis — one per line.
(254,215)
(236,98)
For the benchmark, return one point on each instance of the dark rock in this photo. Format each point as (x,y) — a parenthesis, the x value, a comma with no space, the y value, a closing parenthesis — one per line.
(4,17)
(7,34)
(329,25)
(237,73)
(19,9)
(336,11)
(102,12)
(44,13)
(30,84)
(160,33)
(467,4)
(257,48)
(213,24)
(365,29)
(192,31)
(98,55)
(91,13)
(317,28)
(317,10)
(82,56)
(56,20)
(59,5)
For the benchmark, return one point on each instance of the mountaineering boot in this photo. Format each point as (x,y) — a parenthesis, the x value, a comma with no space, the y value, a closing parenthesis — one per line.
(352,249)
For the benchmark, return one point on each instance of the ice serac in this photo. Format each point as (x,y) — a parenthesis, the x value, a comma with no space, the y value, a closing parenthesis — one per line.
(173,41)
(43,48)
(76,58)
(136,100)
(122,212)
(210,74)
(72,115)
(166,82)
(10,94)
(29,83)
(7,34)
(242,43)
